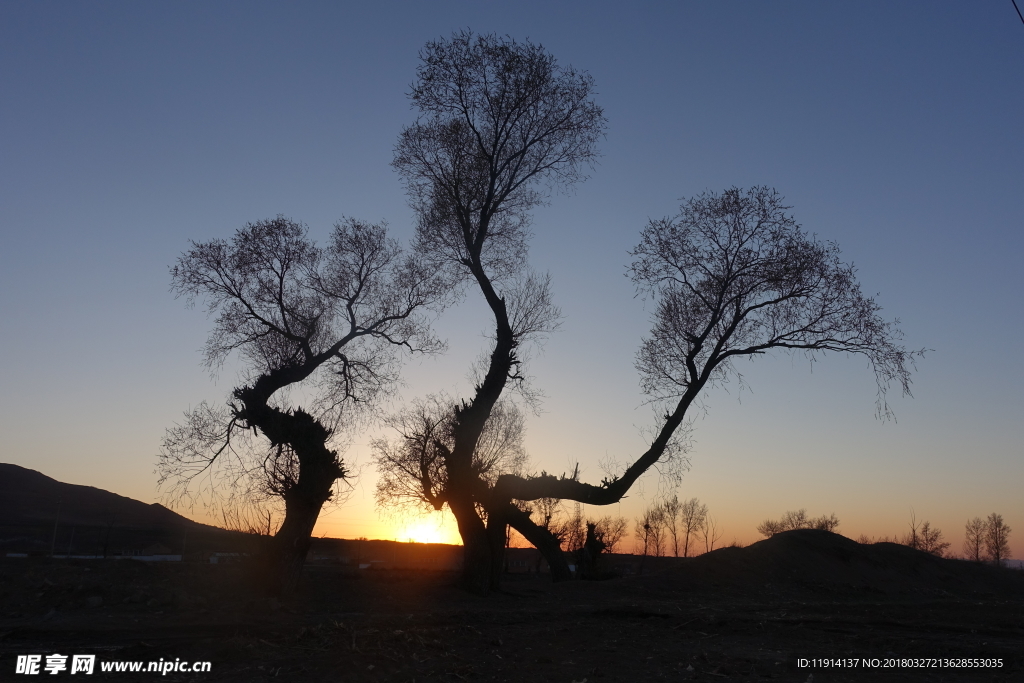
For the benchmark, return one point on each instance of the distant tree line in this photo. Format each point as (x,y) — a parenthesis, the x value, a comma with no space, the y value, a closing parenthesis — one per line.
(987,539)
(675,527)
(583,539)
(797,520)
(570,529)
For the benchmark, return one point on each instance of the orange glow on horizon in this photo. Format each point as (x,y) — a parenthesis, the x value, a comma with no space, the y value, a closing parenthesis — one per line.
(413,529)
(424,532)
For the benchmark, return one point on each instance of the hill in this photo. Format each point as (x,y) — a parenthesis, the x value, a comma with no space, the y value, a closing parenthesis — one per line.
(39,514)
(820,561)
(28,496)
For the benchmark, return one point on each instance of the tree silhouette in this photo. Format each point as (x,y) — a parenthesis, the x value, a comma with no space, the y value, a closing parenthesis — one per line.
(693,515)
(331,320)
(711,532)
(650,531)
(671,509)
(797,519)
(974,540)
(498,121)
(931,540)
(732,275)
(996,539)
(610,530)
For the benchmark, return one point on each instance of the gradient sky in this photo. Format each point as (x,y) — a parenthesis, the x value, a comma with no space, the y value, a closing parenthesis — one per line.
(894,129)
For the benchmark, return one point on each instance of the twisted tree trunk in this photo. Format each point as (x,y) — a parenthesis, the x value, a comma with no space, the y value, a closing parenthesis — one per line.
(319,468)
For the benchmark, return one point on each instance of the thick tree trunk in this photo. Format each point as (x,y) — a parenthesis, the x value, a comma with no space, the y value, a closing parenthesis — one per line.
(319,468)
(476,551)
(292,541)
(497,527)
(290,547)
(589,553)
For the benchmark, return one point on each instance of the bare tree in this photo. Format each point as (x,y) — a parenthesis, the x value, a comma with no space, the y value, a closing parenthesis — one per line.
(826,523)
(693,514)
(931,540)
(547,510)
(797,519)
(499,120)
(671,509)
(997,539)
(732,275)
(651,532)
(711,532)
(974,540)
(411,466)
(574,530)
(250,519)
(612,530)
(331,320)
(913,536)
(921,536)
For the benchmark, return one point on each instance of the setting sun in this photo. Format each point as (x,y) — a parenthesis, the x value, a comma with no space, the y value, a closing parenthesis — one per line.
(423,533)
(429,531)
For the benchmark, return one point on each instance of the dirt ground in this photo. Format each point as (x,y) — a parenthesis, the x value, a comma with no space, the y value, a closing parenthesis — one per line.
(736,614)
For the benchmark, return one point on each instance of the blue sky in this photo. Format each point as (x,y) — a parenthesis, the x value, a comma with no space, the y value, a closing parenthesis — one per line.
(894,129)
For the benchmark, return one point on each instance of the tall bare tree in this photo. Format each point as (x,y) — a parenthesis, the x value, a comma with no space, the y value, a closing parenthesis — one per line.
(732,275)
(922,536)
(574,533)
(930,540)
(331,320)
(692,516)
(612,530)
(997,539)
(974,540)
(499,122)
(711,532)
(650,531)
(671,509)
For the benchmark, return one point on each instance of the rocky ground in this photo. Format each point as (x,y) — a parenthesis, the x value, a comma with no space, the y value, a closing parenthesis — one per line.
(735,614)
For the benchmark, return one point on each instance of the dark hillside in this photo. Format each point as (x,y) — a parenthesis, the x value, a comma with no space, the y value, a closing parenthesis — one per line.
(93,521)
(27,496)
(811,560)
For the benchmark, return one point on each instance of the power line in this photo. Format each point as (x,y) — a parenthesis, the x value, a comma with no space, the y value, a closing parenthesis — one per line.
(1018,10)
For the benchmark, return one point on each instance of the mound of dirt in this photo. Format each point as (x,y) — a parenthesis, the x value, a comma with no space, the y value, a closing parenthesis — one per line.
(809,559)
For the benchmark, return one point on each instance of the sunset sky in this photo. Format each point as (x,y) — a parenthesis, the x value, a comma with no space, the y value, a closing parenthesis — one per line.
(893,129)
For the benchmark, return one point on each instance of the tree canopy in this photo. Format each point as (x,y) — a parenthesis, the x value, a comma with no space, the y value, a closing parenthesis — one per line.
(332,320)
(732,275)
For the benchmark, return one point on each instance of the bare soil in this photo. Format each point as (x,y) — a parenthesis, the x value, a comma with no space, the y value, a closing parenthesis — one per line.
(740,614)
